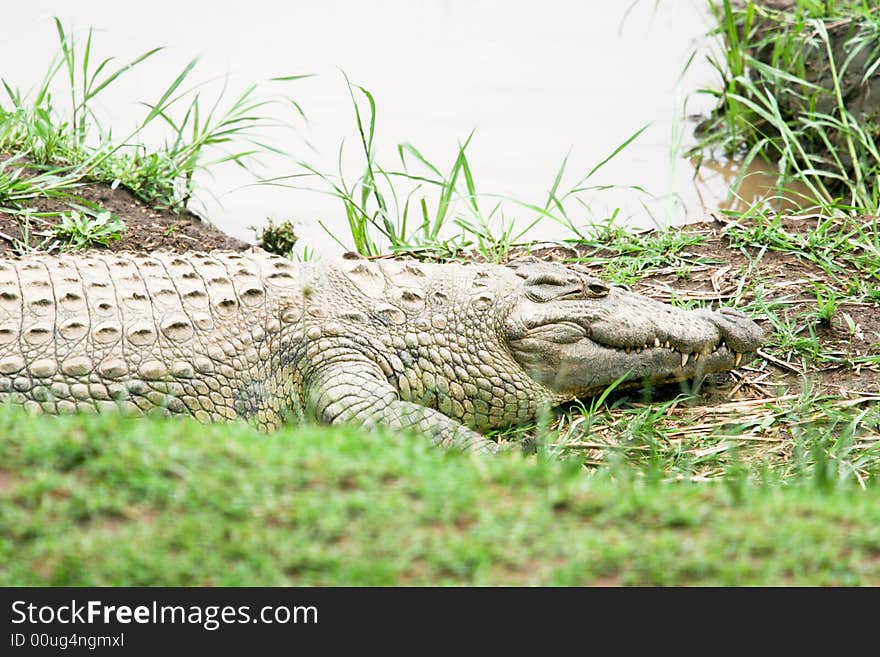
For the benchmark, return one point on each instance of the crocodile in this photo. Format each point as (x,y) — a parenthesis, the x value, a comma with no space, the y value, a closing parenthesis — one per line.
(450,350)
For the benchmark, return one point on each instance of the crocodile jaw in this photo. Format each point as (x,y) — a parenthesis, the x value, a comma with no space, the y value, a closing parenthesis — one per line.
(653,365)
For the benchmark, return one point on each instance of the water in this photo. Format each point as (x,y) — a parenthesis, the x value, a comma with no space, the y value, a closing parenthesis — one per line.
(535,81)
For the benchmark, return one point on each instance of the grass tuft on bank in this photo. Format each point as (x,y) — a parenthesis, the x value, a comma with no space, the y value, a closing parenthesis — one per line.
(54,141)
(799,86)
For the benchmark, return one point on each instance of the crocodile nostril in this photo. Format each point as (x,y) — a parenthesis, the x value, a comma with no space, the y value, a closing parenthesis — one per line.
(733,312)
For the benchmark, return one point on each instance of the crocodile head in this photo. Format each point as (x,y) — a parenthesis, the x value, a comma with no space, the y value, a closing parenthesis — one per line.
(576,335)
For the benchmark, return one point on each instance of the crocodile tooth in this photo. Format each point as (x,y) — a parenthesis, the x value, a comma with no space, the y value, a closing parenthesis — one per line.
(737,359)
(645,346)
(666,344)
(696,355)
(628,350)
(684,358)
(656,342)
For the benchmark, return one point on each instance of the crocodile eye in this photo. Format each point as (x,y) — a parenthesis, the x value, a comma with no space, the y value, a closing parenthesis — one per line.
(597,289)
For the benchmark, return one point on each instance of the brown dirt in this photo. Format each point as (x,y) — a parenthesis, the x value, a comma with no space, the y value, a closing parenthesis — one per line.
(8,481)
(148,228)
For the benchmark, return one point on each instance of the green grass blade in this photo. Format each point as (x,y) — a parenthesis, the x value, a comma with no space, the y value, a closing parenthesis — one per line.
(160,106)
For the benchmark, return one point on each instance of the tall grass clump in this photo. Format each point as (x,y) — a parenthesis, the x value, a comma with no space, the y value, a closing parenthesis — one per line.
(58,139)
(420,206)
(800,87)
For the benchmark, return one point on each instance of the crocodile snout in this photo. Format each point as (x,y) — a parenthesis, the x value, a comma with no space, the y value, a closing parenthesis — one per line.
(738,330)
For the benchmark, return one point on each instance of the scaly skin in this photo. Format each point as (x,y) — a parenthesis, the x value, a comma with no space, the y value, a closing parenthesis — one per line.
(445,349)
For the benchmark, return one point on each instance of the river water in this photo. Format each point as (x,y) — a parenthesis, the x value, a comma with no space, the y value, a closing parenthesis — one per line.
(534,81)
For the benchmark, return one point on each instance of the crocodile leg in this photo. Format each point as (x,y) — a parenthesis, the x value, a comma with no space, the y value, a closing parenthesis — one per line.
(358,393)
